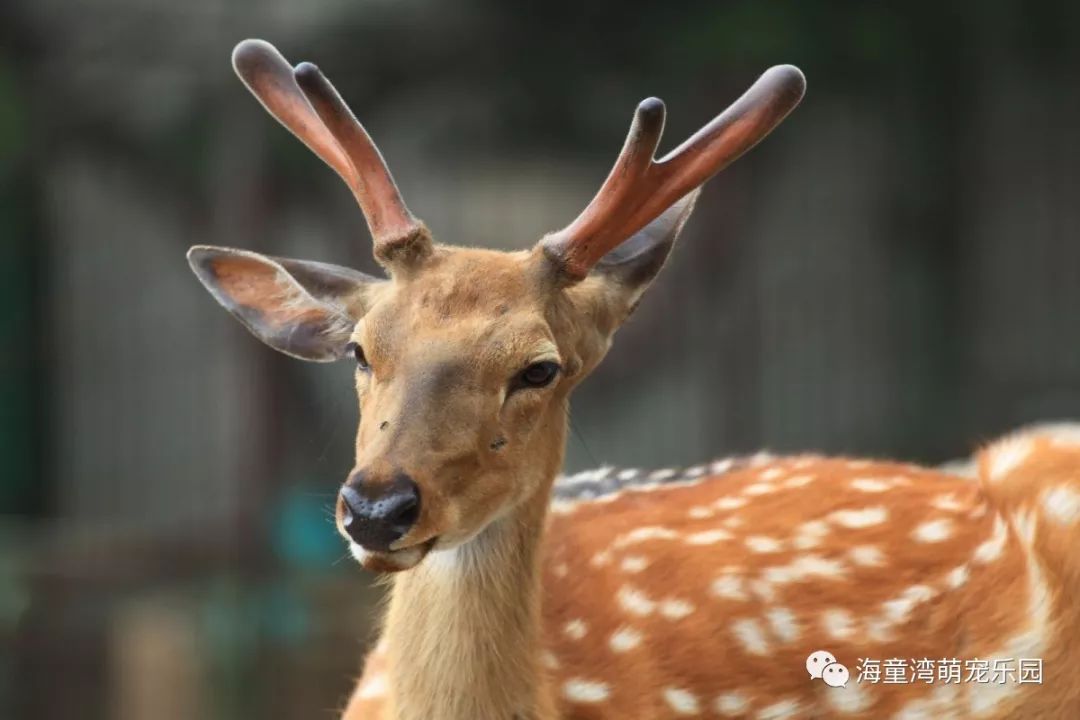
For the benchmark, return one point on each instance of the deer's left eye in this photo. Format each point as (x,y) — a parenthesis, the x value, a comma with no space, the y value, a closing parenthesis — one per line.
(538,375)
(357,351)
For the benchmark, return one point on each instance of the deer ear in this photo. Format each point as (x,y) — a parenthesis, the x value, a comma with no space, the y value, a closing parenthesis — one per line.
(634,263)
(304,309)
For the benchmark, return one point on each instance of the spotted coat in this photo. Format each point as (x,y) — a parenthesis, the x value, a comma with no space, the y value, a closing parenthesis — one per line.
(702,592)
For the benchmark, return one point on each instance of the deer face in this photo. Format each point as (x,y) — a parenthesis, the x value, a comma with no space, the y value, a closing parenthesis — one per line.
(462,376)
(464,362)
(465,358)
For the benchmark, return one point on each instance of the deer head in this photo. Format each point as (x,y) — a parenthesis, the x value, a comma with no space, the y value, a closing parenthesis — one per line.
(464,357)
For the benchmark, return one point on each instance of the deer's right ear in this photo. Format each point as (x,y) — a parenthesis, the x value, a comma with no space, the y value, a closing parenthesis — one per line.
(304,309)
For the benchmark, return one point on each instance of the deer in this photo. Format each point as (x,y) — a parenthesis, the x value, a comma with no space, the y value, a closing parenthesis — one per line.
(707,591)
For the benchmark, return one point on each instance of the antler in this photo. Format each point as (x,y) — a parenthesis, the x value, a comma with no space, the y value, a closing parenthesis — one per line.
(305,102)
(639,188)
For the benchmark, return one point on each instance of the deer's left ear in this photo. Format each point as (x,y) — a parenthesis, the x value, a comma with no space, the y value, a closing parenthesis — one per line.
(304,309)
(621,277)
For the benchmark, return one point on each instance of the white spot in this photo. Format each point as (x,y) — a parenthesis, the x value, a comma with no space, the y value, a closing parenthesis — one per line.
(729,586)
(763,544)
(991,549)
(609,497)
(635,602)
(880,630)
(870,485)
(810,534)
(761,488)
(624,639)
(373,687)
(642,534)
(708,537)
(957,576)
(865,517)
(933,531)
(575,629)
(674,609)
(666,473)
(586,691)
(839,624)
(681,701)
(750,634)
(898,609)
(806,542)
(601,559)
(770,473)
(1007,455)
(948,503)
(719,467)
(1062,505)
(798,481)
(852,698)
(700,512)
(782,710)
(783,624)
(563,507)
(729,503)
(813,527)
(763,589)
(585,476)
(1025,523)
(732,703)
(628,474)
(561,570)
(804,567)
(549,661)
(634,564)
(696,471)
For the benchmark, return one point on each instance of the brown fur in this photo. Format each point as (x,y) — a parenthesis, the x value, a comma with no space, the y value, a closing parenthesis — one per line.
(676,599)
(501,609)
(586,545)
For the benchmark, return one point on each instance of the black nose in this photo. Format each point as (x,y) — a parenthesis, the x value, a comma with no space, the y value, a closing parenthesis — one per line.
(377,514)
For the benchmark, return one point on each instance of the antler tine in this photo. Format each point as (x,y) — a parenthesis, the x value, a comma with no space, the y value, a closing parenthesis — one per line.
(712,148)
(638,190)
(570,246)
(305,102)
(270,79)
(392,224)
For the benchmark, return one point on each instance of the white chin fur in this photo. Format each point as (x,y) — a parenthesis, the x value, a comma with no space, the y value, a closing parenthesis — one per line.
(358,552)
(399,559)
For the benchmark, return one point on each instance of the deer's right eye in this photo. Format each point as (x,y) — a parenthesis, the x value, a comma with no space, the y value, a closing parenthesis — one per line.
(358,352)
(537,375)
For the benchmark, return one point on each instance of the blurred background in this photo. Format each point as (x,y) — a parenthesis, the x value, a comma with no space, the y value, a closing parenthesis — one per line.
(895,272)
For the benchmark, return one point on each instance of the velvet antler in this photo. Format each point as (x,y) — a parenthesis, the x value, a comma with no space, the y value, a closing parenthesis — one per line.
(639,188)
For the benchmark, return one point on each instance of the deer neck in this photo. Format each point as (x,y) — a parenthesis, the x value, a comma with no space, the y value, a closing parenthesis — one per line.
(463,628)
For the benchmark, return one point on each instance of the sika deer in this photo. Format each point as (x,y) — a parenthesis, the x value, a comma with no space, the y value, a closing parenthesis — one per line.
(635,595)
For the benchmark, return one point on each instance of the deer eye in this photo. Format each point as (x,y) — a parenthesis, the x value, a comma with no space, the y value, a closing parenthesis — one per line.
(357,352)
(537,375)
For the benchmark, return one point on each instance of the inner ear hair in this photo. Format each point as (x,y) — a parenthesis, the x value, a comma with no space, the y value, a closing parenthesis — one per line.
(637,260)
(297,307)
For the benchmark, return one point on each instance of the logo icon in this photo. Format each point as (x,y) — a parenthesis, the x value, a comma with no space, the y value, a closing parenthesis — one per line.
(821,664)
